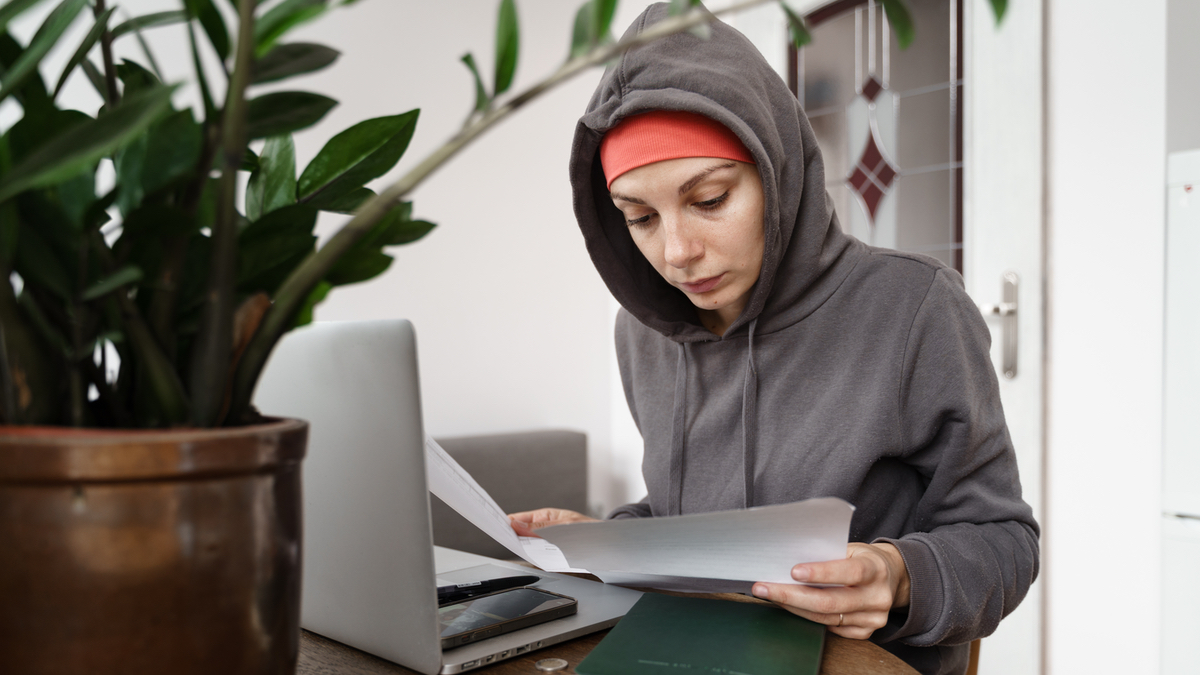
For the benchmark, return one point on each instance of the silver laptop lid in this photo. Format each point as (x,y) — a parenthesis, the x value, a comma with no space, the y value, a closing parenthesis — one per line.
(368,548)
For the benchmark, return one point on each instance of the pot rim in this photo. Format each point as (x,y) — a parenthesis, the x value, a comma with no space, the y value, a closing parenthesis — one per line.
(30,454)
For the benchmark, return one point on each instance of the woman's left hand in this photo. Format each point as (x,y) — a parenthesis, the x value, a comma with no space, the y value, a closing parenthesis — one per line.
(873,581)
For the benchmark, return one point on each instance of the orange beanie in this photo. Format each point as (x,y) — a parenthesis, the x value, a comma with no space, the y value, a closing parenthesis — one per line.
(666,134)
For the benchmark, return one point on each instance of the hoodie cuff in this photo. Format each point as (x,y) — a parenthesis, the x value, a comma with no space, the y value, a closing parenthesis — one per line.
(635,510)
(925,596)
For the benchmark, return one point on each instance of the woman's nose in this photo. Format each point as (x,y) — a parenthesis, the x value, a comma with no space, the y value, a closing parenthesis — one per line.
(681,247)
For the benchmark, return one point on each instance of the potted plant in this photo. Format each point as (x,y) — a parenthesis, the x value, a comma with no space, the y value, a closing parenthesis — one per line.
(149,514)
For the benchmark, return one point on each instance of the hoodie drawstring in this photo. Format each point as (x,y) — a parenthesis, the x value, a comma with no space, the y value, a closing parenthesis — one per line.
(679,420)
(675,477)
(749,422)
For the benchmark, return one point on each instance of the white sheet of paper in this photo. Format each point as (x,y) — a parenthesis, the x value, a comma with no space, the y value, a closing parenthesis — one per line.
(458,489)
(679,584)
(756,544)
(725,551)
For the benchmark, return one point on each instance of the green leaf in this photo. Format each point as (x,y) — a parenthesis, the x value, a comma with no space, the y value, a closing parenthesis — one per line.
(34,131)
(8,237)
(289,60)
(210,108)
(46,37)
(155,20)
(249,161)
(901,20)
(604,12)
(148,224)
(214,26)
(273,185)
(173,148)
(999,7)
(12,9)
(407,231)
(305,314)
(508,45)
(135,77)
(76,196)
(357,266)
(365,260)
(89,41)
(285,112)
(129,162)
(138,33)
(271,247)
(281,18)
(678,7)
(86,143)
(126,275)
(95,77)
(32,94)
(349,202)
(40,265)
(592,23)
(796,27)
(355,156)
(481,97)
(8,221)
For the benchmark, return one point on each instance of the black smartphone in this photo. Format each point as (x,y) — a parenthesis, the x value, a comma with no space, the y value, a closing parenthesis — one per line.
(501,612)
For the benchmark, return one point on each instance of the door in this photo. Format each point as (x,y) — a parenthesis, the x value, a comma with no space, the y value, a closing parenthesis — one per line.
(938,149)
(1003,233)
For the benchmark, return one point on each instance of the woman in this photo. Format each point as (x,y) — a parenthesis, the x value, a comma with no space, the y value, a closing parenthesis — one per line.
(768,357)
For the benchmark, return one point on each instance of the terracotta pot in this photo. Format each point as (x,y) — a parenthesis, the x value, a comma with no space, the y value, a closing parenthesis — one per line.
(150,551)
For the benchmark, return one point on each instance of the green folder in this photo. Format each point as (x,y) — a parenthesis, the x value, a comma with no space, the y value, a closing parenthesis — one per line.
(665,634)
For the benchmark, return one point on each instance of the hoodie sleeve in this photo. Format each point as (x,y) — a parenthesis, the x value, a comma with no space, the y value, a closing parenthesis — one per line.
(635,510)
(975,553)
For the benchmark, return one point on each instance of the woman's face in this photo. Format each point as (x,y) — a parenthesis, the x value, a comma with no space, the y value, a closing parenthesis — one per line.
(699,221)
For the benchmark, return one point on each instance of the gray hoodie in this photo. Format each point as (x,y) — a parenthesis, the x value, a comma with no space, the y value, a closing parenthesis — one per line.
(853,372)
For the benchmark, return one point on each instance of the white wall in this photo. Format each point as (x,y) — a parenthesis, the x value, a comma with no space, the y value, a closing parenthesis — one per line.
(513,322)
(1106,143)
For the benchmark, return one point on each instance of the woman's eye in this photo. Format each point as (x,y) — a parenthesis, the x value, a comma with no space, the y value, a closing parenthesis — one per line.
(712,203)
(638,222)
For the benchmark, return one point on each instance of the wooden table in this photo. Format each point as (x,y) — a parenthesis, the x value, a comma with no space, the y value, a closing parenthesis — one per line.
(322,656)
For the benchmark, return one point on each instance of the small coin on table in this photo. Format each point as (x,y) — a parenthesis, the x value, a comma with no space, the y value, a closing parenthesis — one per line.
(551,665)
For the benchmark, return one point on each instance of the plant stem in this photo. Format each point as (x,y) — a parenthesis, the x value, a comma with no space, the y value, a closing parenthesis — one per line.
(110,72)
(169,395)
(77,391)
(214,341)
(296,288)
(8,392)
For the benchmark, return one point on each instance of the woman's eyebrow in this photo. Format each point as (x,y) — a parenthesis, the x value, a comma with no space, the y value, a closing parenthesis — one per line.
(691,182)
(632,200)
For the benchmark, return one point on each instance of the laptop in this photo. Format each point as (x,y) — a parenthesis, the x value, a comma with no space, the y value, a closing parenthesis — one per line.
(369,566)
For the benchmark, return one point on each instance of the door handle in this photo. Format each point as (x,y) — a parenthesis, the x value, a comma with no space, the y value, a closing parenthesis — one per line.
(1007,311)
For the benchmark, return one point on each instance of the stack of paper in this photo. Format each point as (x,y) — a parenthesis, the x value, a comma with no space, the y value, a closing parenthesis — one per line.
(707,552)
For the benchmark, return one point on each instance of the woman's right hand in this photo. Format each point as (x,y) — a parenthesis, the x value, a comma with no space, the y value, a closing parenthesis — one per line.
(525,522)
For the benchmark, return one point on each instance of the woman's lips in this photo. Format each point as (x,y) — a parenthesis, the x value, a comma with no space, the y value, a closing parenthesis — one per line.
(702,286)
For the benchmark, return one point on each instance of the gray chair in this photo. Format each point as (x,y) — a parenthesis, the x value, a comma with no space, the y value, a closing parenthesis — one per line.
(521,471)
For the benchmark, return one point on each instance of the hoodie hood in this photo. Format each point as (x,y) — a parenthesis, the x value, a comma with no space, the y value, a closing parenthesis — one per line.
(805,253)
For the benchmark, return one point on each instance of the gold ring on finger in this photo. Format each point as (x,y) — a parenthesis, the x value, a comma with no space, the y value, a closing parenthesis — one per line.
(841,618)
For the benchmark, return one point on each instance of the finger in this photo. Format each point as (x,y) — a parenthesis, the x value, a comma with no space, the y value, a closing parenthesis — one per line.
(857,571)
(852,632)
(855,625)
(529,516)
(522,528)
(820,601)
